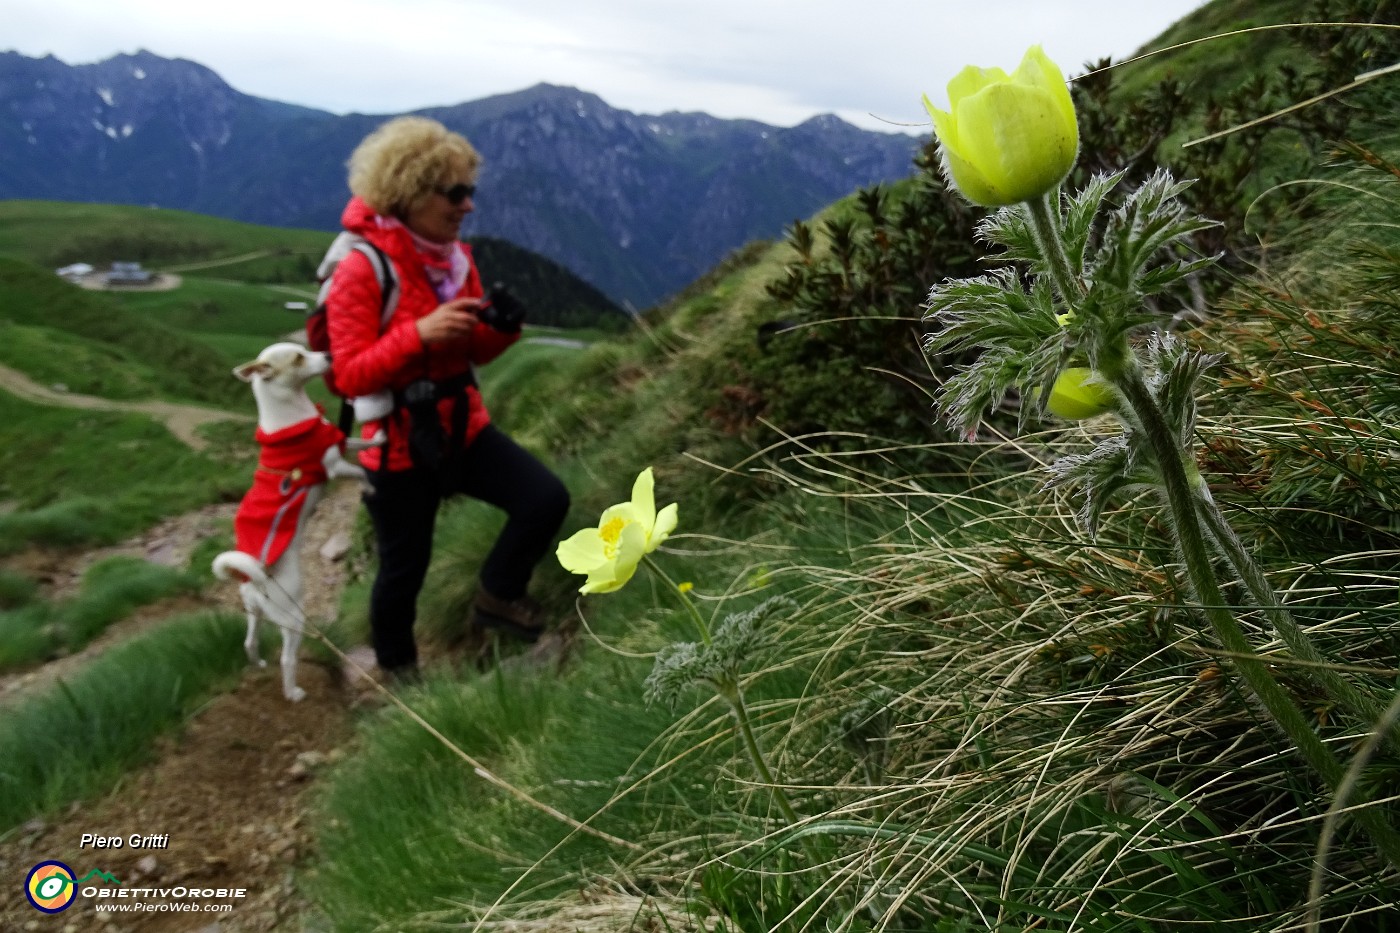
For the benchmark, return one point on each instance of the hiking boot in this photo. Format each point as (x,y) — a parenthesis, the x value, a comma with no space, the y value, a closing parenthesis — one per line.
(407,675)
(364,677)
(522,617)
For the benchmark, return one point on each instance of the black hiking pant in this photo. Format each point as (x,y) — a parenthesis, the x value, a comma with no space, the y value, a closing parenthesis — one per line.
(404,507)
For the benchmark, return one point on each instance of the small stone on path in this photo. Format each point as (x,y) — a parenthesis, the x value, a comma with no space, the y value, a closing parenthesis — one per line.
(336,547)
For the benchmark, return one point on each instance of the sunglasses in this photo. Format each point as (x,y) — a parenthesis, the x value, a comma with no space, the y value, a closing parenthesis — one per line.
(458,193)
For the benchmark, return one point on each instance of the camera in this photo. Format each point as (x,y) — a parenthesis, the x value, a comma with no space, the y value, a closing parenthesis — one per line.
(503,311)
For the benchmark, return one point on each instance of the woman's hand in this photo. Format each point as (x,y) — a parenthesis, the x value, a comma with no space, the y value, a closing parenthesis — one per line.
(452,320)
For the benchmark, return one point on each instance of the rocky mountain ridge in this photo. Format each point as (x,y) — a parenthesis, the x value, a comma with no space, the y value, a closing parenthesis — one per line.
(639,205)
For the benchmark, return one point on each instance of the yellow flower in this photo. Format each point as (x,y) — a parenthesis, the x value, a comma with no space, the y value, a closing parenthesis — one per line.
(626,532)
(1007,138)
(1078,393)
(685,587)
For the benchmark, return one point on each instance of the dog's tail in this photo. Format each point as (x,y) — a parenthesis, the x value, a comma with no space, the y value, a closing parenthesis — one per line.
(235,565)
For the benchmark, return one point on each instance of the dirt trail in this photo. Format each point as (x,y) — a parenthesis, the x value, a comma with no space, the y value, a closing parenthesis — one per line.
(230,792)
(228,796)
(183,420)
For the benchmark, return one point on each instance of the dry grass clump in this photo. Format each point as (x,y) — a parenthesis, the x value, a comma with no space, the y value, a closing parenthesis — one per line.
(999,723)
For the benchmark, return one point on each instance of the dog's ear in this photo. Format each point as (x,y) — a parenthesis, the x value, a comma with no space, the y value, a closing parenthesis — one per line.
(247,371)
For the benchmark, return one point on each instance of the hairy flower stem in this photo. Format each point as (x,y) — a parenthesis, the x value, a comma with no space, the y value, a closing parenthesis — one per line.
(1046,229)
(685,600)
(1190,540)
(1360,703)
(729,690)
(1118,365)
(731,693)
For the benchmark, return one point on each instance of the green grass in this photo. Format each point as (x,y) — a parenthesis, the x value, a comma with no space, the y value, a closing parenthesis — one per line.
(237,349)
(111,590)
(515,371)
(83,478)
(1221,64)
(450,842)
(72,741)
(205,307)
(80,365)
(52,234)
(168,363)
(16,589)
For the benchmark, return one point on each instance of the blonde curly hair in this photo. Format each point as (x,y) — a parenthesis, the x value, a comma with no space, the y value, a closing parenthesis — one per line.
(400,164)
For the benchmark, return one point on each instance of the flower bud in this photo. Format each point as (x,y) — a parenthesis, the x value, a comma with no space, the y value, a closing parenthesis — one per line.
(1007,138)
(1078,393)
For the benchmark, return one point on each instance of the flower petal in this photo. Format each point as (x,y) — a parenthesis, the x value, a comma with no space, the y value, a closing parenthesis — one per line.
(665,524)
(631,548)
(615,573)
(1016,139)
(1038,70)
(601,583)
(973,79)
(626,511)
(967,179)
(583,552)
(644,500)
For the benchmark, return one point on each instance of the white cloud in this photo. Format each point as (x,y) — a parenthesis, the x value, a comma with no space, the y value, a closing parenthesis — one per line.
(780,61)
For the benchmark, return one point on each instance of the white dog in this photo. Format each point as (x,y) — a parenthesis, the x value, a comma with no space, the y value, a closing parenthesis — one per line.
(300,450)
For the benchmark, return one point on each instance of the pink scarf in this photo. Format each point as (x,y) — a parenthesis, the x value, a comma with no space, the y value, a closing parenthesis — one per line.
(445,264)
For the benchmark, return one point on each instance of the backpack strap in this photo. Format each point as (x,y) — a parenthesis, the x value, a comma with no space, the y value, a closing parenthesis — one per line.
(384,273)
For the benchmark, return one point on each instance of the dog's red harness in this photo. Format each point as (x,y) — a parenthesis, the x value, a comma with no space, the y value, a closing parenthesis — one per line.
(289,464)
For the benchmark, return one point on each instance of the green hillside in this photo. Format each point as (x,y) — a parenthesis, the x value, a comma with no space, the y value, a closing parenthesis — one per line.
(53,234)
(1222,65)
(95,344)
(213,252)
(1226,110)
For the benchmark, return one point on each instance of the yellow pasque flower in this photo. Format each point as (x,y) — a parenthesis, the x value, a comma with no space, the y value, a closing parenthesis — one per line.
(1007,138)
(1078,393)
(626,532)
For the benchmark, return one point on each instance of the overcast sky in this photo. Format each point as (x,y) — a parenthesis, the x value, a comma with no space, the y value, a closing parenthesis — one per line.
(779,61)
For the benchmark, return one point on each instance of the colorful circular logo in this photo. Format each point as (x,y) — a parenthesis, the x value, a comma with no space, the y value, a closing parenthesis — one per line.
(50,887)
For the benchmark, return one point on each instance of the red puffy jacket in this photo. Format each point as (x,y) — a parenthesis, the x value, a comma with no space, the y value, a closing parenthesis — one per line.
(368,360)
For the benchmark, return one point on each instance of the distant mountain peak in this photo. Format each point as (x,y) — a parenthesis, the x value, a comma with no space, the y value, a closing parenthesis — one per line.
(638,205)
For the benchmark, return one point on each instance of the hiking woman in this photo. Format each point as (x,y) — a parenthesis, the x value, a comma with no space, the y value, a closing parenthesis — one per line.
(413,181)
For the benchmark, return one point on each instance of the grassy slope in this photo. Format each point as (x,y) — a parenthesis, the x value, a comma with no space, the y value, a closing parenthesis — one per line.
(1021,700)
(57,490)
(126,699)
(1220,64)
(73,478)
(119,352)
(1034,717)
(52,233)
